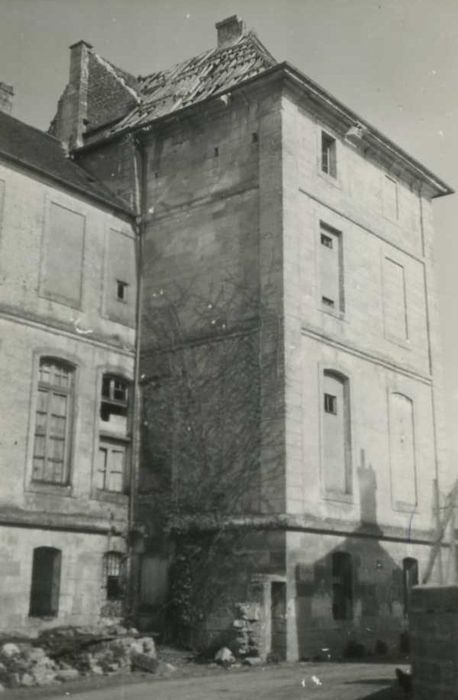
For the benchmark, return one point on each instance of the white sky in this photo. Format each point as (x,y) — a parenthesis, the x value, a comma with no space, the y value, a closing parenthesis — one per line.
(395,62)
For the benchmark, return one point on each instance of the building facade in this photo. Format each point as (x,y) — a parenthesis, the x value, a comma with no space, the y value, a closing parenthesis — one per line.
(288,344)
(66,361)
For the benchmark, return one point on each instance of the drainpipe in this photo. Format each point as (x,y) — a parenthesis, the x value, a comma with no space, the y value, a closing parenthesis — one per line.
(140,170)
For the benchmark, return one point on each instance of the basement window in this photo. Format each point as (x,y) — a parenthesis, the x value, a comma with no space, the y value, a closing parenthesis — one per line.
(328,155)
(121,291)
(113,575)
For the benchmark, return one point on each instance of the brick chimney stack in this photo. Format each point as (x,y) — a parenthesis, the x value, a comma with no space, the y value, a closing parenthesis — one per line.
(229,30)
(69,124)
(6,98)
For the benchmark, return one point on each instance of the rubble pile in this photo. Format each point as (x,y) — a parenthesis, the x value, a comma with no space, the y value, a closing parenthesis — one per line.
(247,631)
(64,654)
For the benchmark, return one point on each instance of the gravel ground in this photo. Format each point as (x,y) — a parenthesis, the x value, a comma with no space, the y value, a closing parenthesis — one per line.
(191,681)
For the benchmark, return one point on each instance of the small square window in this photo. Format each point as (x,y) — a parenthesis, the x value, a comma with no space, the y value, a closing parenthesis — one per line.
(328,302)
(121,291)
(330,404)
(326,241)
(328,155)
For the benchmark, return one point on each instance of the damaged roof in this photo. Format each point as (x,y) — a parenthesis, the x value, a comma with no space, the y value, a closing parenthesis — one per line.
(38,151)
(192,81)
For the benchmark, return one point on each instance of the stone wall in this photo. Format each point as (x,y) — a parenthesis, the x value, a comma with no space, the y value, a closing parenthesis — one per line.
(75,517)
(434,633)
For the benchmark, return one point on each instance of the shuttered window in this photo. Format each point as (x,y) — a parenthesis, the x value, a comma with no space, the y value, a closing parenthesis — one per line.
(63,256)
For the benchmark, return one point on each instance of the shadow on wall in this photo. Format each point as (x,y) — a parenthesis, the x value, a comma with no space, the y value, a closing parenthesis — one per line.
(353,600)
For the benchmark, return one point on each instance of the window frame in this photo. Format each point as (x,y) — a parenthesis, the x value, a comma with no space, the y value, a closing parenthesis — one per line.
(120,559)
(328,155)
(55,583)
(342,375)
(38,387)
(334,307)
(108,439)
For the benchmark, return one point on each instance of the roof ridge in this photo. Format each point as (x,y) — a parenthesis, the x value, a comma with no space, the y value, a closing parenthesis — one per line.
(249,35)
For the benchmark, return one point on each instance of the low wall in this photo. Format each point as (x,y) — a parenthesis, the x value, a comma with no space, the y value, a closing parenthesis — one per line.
(434,635)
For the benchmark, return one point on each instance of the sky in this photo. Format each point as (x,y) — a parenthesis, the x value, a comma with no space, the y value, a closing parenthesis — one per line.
(395,62)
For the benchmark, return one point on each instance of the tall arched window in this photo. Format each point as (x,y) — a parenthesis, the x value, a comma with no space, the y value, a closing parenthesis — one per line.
(51,449)
(402,449)
(336,433)
(44,592)
(114,434)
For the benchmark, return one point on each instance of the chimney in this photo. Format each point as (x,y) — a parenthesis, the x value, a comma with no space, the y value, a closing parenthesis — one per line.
(72,110)
(6,98)
(229,30)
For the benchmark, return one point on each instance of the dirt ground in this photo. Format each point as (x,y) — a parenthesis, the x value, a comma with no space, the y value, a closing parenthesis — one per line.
(300,681)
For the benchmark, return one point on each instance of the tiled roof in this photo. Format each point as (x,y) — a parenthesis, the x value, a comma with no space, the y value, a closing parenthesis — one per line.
(41,152)
(192,81)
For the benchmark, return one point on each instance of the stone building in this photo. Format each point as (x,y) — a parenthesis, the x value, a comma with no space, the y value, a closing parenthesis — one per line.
(67,316)
(289,350)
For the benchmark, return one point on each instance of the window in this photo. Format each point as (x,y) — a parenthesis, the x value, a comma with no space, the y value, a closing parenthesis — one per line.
(326,241)
(342,586)
(63,261)
(336,434)
(121,291)
(111,466)
(331,269)
(330,404)
(44,592)
(410,579)
(114,436)
(113,564)
(394,300)
(51,449)
(328,155)
(402,450)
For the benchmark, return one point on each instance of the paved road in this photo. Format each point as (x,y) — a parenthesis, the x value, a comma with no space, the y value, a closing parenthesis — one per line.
(285,682)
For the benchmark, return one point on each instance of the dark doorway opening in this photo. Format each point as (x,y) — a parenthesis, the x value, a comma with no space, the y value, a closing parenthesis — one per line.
(44,594)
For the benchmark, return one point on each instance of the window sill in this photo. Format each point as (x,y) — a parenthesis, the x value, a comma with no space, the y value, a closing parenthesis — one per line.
(111,497)
(400,342)
(402,507)
(339,315)
(338,497)
(113,435)
(330,179)
(53,489)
